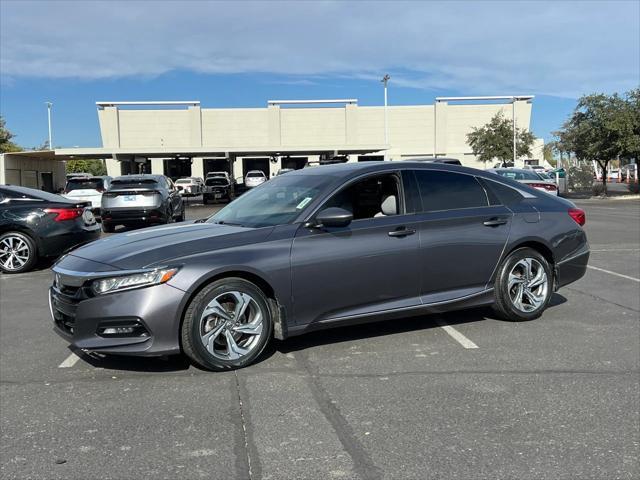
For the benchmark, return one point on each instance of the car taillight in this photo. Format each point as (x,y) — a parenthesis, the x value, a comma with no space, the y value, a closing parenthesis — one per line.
(546,186)
(578,215)
(63,214)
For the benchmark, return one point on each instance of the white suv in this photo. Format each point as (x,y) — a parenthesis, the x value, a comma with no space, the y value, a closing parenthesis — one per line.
(190,186)
(254,178)
(87,189)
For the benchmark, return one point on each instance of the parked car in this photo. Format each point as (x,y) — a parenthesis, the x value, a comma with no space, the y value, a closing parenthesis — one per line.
(254,178)
(535,168)
(87,189)
(528,177)
(317,248)
(35,224)
(189,186)
(134,200)
(219,174)
(217,188)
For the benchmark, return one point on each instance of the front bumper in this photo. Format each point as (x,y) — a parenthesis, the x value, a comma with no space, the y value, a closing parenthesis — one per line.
(79,318)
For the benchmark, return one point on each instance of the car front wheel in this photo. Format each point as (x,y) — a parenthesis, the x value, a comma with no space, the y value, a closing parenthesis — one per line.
(523,285)
(227,325)
(17,252)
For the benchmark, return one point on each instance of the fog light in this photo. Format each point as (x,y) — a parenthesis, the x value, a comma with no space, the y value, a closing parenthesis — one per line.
(117,330)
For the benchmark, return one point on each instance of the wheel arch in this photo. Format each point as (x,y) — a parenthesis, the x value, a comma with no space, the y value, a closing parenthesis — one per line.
(538,246)
(277,310)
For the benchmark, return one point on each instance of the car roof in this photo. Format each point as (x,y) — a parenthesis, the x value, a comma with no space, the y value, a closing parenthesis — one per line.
(356,168)
(138,177)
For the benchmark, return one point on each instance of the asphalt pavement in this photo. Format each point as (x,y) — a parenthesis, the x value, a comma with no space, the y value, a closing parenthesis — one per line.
(461,395)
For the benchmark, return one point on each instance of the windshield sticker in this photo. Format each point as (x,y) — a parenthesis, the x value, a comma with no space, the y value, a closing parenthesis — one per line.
(303,203)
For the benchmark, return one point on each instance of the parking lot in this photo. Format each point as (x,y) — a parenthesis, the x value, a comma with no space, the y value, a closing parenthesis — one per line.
(460,395)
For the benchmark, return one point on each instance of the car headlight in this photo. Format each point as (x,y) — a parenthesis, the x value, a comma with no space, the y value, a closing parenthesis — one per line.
(135,280)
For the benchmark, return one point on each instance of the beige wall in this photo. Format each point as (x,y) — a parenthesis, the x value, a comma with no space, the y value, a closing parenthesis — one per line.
(411,128)
(21,170)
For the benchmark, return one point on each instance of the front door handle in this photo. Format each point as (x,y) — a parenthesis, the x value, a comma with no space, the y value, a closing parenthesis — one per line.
(401,232)
(494,222)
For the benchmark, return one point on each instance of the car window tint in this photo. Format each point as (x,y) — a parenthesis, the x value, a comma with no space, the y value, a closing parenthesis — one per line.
(449,191)
(84,184)
(365,198)
(506,194)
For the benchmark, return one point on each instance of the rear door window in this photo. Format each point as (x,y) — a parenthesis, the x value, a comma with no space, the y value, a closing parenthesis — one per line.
(441,190)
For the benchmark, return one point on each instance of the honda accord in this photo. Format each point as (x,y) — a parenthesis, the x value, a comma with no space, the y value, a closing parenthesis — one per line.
(318,248)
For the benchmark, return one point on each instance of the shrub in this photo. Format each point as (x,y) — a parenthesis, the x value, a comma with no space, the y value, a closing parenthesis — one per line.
(580,177)
(597,189)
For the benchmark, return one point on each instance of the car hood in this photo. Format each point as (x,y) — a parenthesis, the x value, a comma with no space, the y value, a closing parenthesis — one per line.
(161,245)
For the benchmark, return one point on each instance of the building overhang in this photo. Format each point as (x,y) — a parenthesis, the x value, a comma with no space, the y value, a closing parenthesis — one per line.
(260,151)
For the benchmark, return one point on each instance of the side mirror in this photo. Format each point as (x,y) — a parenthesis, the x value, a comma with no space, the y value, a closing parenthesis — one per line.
(334,217)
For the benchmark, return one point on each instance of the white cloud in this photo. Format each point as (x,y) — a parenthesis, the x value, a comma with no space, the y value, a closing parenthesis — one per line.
(555,48)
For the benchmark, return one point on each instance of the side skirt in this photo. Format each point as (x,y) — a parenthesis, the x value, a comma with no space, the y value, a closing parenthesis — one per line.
(486,297)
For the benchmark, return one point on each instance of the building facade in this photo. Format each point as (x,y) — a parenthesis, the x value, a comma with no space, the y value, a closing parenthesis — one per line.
(183,139)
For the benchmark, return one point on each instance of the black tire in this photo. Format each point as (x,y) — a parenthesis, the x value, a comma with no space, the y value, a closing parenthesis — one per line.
(9,263)
(181,216)
(506,298)
(108,227)
(194,325)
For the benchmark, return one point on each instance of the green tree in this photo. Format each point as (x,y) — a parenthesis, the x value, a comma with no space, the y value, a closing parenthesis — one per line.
(6,145)
(94,167)
(495,140)
(548,153)
(603,128)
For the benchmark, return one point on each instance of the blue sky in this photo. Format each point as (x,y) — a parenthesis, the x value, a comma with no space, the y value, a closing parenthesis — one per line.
(241,54)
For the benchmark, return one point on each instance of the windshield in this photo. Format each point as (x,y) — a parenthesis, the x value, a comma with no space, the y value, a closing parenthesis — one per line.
(85,184)
(276,202)
(255,174)
(134,183)
(519,174)
(184,181)
(216,181)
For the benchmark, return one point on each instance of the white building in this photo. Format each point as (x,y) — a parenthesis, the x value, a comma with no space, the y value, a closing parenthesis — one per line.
(183,139)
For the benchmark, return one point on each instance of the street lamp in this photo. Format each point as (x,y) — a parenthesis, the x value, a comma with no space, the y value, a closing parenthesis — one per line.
(385,80)
(49,105)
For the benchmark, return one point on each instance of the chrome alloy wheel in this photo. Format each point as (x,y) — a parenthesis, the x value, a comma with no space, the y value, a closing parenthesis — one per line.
(230,325)
(14,252)
(528,285)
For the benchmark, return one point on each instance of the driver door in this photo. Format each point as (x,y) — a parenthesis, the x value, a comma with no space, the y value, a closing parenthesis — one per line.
(364,268)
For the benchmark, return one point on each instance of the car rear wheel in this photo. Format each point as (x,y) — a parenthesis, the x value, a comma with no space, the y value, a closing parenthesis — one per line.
(523,286)
(108,227)
(17,252)
(181,216)
(227,325)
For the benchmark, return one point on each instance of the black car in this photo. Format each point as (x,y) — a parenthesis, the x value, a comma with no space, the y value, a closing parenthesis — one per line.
(317,248)
(217,188)
(37,224)
(134,200)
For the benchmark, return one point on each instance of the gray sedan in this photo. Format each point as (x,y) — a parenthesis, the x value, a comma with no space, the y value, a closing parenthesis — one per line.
(318,248)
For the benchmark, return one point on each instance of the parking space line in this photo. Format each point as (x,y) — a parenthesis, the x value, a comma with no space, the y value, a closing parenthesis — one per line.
(70,361)
(614,273)
(458,337)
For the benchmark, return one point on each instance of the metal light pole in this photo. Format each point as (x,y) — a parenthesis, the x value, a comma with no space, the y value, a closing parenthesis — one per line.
(49,105)
(513,114)
(385,80)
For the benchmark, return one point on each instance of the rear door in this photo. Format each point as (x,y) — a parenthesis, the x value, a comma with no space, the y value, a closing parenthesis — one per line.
(462,236)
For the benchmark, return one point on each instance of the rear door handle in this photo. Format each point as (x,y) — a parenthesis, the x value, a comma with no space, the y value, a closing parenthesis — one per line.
(494,222)
(401,232)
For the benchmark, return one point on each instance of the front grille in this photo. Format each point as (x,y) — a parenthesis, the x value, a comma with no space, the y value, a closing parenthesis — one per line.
(64,303)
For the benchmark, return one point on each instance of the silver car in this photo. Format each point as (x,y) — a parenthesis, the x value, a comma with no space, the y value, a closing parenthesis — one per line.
(139,200)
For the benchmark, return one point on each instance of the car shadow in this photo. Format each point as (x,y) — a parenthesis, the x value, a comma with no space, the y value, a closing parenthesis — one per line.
(175,363)
(391,327)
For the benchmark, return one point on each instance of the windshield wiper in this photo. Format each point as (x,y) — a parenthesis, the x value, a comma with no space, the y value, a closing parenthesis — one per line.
(223,222)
